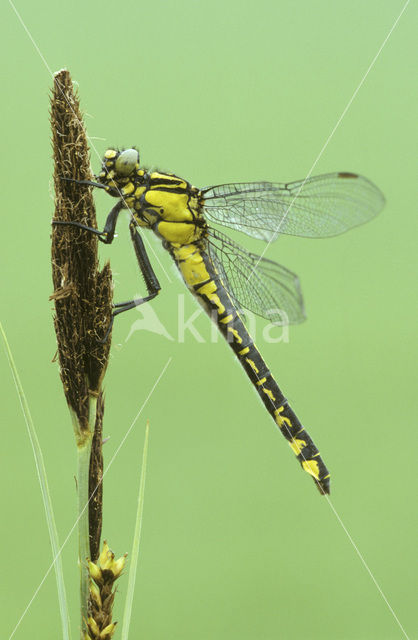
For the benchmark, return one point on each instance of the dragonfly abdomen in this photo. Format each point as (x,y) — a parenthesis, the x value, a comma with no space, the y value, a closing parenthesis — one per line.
(220,307)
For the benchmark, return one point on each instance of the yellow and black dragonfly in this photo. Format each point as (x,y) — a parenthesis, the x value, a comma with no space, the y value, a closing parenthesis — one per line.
(222,275)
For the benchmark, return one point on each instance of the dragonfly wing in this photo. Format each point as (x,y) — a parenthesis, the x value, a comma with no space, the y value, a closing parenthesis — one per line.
(318,207)
(254,283)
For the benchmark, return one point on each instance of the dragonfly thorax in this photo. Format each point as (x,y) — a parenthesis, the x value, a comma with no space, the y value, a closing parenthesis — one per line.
(164,202)
(171,207)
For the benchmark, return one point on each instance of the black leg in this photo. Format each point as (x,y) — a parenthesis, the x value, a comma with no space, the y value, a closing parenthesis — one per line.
(107,236)
(151,280)
(125,306)
(108,232)
(131,304)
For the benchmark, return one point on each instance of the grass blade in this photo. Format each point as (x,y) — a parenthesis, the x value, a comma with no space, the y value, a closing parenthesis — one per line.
(40,468)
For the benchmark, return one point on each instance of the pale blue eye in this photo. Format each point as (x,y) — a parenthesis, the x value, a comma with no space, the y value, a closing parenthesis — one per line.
(126,162)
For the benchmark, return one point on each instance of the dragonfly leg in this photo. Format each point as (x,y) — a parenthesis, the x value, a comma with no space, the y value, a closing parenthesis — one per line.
(120,307)
(151,280)
(131,304)
(107,235)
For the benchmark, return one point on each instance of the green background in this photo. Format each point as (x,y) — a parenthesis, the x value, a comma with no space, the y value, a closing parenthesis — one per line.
(237,543)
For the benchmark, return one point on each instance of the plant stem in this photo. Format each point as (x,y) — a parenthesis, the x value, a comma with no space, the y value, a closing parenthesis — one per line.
(83,491)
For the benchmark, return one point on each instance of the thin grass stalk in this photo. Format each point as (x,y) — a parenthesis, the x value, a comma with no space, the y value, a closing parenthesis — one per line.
(83,308)
(133,566)
(46,497)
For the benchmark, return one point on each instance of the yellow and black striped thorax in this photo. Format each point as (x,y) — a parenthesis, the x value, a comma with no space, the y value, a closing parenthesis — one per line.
(164,202)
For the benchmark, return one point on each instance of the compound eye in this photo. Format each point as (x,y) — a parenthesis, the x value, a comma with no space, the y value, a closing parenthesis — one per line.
(126,162)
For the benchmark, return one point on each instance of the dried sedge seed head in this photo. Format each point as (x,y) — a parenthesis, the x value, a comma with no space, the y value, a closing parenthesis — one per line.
(82,294)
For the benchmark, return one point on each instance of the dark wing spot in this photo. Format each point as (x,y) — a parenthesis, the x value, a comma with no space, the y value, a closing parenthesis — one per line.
(347,174)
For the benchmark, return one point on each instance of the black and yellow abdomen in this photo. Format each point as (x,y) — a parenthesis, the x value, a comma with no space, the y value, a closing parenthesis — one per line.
(200,276)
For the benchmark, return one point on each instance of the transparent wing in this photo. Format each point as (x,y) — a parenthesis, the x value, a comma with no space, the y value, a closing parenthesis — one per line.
(262,286)
(322,206)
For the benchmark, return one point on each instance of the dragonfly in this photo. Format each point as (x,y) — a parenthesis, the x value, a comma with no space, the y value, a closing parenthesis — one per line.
(221,274)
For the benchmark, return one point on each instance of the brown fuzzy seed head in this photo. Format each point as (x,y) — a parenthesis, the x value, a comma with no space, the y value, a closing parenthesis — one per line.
(82,294)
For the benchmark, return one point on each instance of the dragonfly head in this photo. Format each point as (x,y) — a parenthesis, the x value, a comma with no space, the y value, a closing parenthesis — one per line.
(117,169)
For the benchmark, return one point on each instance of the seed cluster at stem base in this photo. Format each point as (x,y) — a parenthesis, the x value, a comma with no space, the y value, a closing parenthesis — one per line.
(103,575)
